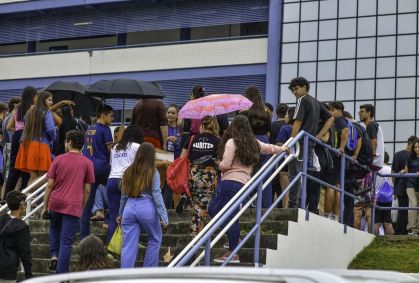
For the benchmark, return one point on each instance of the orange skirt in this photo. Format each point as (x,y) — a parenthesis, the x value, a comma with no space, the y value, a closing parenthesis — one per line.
(33,156)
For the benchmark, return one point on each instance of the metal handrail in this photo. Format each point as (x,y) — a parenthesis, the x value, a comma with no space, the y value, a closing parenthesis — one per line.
(199,238)
(39,181)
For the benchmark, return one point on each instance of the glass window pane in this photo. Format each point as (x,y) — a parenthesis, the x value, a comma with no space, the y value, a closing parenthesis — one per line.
(290,32)
(367,7)
(406,66)
(406,23)
(308,31)
(286,96)
(309,11)
(327,50)
(345,90)
(346,69)
(406,45)
(404,129)
(387,6)
(346,48)
(385,88)
(347,8)
(388,130)
(308,51)
(326,91)
(366,47)
(386,46)
(291,12)
(327,29)
(385,67)
(288,72)
(384,110)
(308,71)
(349,106)
(406,87)
(365,68)
(365,89)
(405,109)
(328,9)
(386,25)
(289,52)
(326,71)
(406,6)
(389,148)
(347,28)
(366,26)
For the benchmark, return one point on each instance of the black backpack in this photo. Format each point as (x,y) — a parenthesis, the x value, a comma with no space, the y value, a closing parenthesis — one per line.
(365,154)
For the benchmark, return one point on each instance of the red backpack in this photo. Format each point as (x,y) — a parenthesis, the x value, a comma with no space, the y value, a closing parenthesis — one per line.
(177,176)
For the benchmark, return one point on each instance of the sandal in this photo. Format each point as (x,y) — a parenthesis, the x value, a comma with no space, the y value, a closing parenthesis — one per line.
(53,264)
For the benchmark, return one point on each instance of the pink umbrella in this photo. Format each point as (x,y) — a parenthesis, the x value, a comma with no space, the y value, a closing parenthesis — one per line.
(213,105)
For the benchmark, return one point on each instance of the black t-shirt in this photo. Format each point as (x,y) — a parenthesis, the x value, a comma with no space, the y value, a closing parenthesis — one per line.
(275,127)
(372,130)
(339,125)
(310,112)
(203,149)
(399,163)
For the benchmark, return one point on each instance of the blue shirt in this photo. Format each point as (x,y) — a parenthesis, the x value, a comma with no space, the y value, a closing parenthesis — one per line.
(155,195)
(95,146)
(284,133)
(174,146)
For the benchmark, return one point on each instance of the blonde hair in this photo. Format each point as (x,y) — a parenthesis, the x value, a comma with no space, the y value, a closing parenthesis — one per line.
(210,124)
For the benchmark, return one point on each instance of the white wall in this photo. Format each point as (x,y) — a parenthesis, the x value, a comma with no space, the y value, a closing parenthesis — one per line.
(317,243)
(179,56)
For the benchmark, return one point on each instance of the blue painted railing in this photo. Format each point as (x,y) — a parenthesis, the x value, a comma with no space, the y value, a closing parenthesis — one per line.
(257,184)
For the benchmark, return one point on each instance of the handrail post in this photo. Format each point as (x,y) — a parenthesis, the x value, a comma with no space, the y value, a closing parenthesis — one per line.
(258,217)
(304,176)
(342,187)
(207,260)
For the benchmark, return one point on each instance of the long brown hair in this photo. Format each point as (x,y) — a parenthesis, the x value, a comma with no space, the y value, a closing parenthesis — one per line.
(247,147)
(34,124)
(257,110)
(210,124)
(138,177)
(93,255)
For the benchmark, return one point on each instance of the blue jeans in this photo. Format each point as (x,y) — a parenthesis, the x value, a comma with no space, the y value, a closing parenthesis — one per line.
(101,199)
(226,191)
(140,213)
(114,198)
(267,192)
(101,179)
(62,233)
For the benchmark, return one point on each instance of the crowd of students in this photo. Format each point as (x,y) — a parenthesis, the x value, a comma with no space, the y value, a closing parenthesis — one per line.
(84,163)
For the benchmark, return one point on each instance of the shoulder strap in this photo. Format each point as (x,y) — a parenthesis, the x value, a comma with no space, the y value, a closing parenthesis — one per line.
(190,142)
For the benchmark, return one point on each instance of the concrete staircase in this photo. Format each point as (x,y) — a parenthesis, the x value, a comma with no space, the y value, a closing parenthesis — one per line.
(176,236)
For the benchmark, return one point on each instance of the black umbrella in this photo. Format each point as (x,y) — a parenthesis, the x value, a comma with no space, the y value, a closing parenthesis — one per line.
(125,88)
(74,91)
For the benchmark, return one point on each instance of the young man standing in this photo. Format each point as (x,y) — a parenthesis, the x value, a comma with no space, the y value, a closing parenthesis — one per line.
(68,188)
(308,114)
(97,147)
(14,240)
(366,115)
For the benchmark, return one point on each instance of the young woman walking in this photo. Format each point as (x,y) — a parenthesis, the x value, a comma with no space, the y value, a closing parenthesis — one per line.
(122,156)
(412,188)
(142,207)
(238,151)
(203,172)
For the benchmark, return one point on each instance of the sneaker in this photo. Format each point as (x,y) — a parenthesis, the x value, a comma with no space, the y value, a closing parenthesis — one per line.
(181,204)
(411,232)
(234,259)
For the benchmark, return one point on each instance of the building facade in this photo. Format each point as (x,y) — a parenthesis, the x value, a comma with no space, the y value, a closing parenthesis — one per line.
(355,51)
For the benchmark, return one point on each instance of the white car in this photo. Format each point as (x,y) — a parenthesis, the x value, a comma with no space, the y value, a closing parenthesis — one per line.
(226,274)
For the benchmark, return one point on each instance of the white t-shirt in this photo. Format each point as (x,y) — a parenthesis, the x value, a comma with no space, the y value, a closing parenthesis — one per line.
(379,159)
(380,180)
(122,159)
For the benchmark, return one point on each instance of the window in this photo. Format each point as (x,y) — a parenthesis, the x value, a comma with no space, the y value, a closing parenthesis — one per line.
(367,7)
(326,71)
(386,25)
(289,52)
(327,50)
(385,67)
(346,69)
(309,11)
(328,9)
(347,8)
(406,6)
(366,47)
(406,23)
(327,29)
(384,110)
(386,6)
(405,108)
(365,89)
(347,28)
(406,87)
(366,26)
(365,68)
(291,12)
(308,51)
(406,66)
(345,90)
(406,45)
(326,91)
(404,129)
(307,70)
(308,31)
(346,48)
(290,32)
(386,46)
(288,72)
(385,88)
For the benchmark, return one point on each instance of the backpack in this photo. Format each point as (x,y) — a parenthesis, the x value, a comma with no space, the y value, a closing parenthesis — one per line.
(352,137)
(385,192)
(365,154)
(177,175)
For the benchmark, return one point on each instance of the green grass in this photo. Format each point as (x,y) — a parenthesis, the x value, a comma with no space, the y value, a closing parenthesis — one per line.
(397,253)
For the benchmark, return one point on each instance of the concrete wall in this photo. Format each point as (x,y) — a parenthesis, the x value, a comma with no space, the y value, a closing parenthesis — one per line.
(136,59)
(317,243)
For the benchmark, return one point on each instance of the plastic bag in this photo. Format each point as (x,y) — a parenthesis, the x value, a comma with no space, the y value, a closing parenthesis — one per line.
(385,193)
(115,245)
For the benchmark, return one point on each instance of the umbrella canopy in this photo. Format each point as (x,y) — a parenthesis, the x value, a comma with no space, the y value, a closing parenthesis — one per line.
(74,91)
(67,86)
(125,88)
(213,105)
